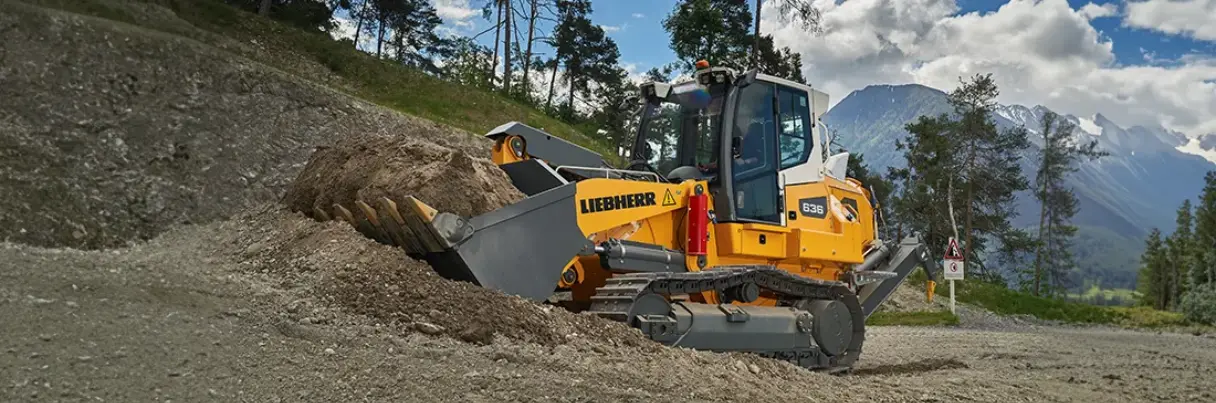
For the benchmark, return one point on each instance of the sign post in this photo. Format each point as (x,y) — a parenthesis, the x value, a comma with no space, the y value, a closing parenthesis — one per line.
(952,265)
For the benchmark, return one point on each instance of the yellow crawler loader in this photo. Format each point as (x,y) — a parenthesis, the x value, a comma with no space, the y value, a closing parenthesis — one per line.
(732,228)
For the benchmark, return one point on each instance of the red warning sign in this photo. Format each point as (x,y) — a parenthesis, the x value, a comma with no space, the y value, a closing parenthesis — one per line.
(952,250)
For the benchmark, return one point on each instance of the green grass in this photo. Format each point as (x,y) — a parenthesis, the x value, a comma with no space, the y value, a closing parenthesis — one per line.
(1106,296)
(299,52)
(943,318)
(1004,301)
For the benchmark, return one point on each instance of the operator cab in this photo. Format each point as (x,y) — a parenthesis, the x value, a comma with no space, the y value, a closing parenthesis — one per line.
(769,126)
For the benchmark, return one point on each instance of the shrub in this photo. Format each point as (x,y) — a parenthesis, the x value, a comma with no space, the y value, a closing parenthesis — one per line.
(1199,305)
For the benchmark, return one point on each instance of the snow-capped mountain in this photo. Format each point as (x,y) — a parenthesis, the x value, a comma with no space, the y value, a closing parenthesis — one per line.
(1139,186)
(1132,138)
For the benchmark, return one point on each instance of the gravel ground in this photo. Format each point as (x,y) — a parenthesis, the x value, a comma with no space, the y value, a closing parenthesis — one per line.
(134,134)
(201,314)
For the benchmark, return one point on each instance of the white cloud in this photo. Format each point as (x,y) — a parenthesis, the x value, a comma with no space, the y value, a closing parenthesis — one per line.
(1093,11)
(634,71)
(613,28)
(639,15)
(456,12)
(1194,18)
(1039,52)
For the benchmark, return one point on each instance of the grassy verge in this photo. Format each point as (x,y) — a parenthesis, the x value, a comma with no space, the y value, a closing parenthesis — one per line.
(303,53)
(1004,301)
(943,318)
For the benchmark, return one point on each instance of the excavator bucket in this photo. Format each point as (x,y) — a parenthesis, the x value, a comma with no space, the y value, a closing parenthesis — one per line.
(497,250)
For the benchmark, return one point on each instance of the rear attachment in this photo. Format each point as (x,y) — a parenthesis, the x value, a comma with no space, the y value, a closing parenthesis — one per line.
(820,327)
(886,267)
(483,250)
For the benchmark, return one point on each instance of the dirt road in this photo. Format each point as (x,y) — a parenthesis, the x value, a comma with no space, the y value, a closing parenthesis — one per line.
(253,310)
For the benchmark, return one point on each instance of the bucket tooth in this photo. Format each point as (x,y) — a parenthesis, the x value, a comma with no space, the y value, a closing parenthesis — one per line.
(387,210)
(360,222)
(374,225)
(344,214)
(419,217)
(320,214)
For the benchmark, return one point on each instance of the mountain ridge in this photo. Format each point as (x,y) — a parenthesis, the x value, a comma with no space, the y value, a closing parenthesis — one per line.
(1122,196)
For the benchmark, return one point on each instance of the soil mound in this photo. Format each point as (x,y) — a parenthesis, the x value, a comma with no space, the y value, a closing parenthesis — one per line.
(368,167)
(336,265)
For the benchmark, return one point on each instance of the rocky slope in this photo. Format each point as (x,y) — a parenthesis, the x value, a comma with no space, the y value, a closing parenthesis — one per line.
(113,133)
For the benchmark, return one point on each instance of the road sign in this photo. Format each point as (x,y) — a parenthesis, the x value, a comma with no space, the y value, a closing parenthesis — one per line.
(952,250)
(953,269)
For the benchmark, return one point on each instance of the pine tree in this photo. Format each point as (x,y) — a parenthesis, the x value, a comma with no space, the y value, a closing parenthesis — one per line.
(616,113)
(583,48)
(536,12)
(467,63)
(988,171)
(801,10)
(713,30)
(1204,241)
(927,182)
(1180,255)
(783,62)
(1151,279)
(1057,203)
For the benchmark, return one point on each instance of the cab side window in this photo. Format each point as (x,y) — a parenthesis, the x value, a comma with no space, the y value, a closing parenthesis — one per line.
(793,126)
(754,127)
(754,172)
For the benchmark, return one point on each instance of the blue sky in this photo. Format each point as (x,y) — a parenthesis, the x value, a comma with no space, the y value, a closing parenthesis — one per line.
(1138,62)
(636,26)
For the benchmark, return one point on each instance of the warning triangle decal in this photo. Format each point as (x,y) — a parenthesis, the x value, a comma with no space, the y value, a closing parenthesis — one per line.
(668,200)
(952,251)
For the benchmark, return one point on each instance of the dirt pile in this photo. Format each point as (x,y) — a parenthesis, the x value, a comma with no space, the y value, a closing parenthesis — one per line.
(111,133)
(333,265)
(259,309)
(909,297)
(368,167)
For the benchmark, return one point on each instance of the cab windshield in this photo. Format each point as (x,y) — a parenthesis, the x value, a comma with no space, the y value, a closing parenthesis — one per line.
(683,128)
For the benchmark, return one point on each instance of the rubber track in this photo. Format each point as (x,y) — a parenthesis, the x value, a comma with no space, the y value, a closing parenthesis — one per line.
(614,300)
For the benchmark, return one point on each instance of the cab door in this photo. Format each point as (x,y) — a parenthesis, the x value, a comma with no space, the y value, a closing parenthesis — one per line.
(754,175)
(795,142)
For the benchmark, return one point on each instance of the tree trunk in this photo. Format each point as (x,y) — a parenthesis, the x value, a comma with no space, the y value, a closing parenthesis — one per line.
(264,8)
(379,35)
(970,202)
(399,42)
(1038,252)
(552,81)
(359,24)
(950,206)
(570,102)
(506,48)
(497,35)
(756,47)
(533,13)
